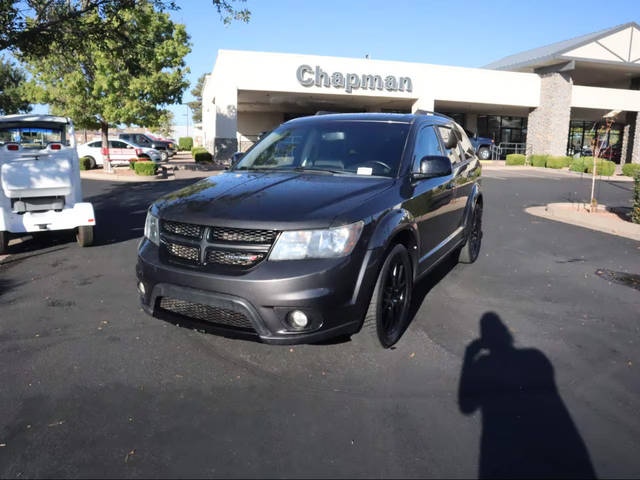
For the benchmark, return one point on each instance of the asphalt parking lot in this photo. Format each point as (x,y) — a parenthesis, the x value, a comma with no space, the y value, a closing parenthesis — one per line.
(92,387)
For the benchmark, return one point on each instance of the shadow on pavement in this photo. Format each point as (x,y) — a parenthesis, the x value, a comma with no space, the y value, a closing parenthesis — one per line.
(120,211)
(527,430)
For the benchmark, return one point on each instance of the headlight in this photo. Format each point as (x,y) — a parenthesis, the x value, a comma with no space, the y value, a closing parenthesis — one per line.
(151,229)
(330,243)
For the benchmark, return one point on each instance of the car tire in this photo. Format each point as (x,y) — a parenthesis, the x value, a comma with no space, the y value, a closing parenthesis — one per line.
(85,236)
(471,249)
(388,312)
(92,162)
(164,156)
(484,153)
(4,243)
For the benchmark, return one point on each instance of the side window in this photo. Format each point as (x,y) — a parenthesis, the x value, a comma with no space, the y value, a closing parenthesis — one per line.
(95,144)
(427,143)
(452,153)
(466,147)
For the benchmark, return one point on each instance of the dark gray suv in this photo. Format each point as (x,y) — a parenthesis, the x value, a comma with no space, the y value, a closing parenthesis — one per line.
(320,230)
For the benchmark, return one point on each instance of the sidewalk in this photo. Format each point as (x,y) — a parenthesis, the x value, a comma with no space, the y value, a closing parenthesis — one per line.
(181,166)
(500,165)
(605,219)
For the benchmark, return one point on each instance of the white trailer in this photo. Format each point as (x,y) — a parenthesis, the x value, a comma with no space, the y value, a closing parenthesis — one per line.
(40,187)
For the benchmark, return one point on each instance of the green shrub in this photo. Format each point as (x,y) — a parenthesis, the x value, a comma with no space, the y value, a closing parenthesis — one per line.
(185,143)
(604,167)
(85,163)
(132,163)
(515,159)
(579,164)
(635,213)
(538,160)
(195,150)
(566,161)
(556,162)
(145,168)
(202,156)
(630,169)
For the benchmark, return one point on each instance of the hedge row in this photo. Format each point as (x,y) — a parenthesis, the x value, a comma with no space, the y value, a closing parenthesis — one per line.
(145,168)
(635,213)
(85,163)
(185,143)
(515,159)
(200,154)
(630,169)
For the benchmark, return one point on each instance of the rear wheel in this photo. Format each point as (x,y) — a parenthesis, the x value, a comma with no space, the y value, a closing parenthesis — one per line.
(388,311)
(484,153)
(470,251)
(92,163)
(4,243)
(85,236)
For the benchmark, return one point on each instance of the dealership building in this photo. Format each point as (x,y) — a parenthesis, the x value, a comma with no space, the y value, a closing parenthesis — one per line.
(543,101)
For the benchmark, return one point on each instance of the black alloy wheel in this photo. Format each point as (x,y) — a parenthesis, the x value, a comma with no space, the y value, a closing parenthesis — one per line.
(386,318)
(470,251)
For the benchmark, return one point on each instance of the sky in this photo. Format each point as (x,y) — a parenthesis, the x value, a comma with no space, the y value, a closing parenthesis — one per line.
(462,33)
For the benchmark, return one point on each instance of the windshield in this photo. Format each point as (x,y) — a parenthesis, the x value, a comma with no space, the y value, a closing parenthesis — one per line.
(31,137)
(346,147)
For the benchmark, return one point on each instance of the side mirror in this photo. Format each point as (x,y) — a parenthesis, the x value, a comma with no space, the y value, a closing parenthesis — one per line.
(433,166)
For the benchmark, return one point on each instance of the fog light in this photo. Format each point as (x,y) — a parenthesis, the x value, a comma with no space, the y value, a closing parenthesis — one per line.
(298,319)
(141,288)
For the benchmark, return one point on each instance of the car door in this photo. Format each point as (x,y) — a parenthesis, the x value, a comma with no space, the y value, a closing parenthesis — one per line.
(459,164)
(431,199)
(118,152)
(466,173)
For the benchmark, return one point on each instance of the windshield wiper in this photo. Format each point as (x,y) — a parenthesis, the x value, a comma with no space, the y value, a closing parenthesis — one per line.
(323,170)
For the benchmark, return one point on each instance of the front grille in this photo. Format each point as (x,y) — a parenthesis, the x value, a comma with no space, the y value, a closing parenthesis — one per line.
(241,235)
(192,254)
(206,313)
(236,259)
(182,229)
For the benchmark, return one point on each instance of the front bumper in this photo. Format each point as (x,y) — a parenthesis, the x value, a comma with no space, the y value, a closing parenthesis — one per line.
(334,293)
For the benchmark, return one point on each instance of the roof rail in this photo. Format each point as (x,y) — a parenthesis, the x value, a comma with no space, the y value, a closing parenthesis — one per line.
(429,112)
(325,112)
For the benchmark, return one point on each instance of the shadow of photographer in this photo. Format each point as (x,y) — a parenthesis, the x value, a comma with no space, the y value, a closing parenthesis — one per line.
(527,430)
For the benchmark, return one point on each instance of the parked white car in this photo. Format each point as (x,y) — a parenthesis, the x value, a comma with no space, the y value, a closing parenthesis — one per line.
(40,187)
(120,152)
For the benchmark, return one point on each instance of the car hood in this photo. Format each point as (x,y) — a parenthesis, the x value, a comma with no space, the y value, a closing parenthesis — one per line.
(279,201)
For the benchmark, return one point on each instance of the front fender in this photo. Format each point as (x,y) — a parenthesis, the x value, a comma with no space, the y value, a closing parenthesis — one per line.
(471,204)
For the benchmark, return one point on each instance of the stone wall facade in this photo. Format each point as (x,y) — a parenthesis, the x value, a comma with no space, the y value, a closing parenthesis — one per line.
(548,125)
(634,139)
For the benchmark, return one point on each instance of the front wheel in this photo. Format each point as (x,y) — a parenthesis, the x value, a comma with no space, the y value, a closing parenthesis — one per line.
(484,153)
(388,311)
(85,236)
(4,243)
(164,156)
(470,251)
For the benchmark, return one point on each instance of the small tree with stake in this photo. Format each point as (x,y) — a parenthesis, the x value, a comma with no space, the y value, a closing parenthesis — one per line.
(598,144)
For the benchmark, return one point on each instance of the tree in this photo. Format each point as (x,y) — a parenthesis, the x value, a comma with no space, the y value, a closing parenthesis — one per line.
(126,78)
(196,105)
(33,26)
(12,95)
(165,125)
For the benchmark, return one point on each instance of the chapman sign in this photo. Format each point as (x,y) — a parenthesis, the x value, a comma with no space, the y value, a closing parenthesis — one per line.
(309,77)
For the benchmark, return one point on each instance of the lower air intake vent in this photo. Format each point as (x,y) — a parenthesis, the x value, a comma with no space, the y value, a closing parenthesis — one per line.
(206,313)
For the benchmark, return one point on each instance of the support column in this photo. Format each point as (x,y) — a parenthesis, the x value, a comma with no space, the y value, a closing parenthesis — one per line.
(548,125)
(471,122)
(634,139)
(426,104)
(226,124)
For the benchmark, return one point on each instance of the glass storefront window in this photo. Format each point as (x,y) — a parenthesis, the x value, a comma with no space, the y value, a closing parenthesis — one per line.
(581,139)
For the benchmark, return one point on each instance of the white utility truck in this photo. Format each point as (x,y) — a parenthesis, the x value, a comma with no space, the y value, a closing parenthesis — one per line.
(40,186)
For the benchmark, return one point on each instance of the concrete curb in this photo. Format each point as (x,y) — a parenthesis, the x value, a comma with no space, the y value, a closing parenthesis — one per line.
(578,214)
(177,175)
(558,171)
